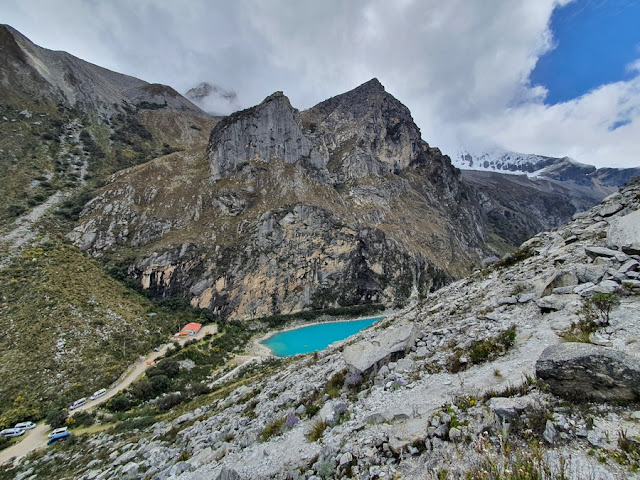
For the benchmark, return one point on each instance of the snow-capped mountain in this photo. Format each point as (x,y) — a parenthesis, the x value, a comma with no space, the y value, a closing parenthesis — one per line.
(507,162)
(562,169)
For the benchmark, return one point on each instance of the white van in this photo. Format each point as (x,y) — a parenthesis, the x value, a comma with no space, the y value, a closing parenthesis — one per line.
(57,431)
(97,394)
(78,403)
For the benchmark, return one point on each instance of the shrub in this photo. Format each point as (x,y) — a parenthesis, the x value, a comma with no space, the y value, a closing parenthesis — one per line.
(119,403)
(340,412)
(317,430)
(602,304)
(516,257)
(142,389)
(197,389)
(333,386)
(353,380)
(482,351)
(272,429)
(137,423)
(56,417)
(166,367)
(4,443)
(160,384)
(291,421)
(84,419)
(167,402)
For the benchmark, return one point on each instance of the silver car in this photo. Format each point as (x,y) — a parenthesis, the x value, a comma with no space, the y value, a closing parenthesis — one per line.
(12,432)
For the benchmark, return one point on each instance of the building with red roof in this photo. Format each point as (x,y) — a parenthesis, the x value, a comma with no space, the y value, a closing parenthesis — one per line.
(188,330)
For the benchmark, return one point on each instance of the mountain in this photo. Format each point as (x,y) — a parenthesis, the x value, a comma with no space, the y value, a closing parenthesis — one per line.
(523,194)
(572,174)
(48,76)
(213,99)
(77,121)
(341,204)
(66,126)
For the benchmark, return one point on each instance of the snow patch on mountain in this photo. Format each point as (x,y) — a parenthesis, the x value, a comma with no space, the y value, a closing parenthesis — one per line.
(506,162)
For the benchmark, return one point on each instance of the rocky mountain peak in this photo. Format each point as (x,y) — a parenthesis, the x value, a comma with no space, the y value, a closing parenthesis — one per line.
(388,140)
(268,131)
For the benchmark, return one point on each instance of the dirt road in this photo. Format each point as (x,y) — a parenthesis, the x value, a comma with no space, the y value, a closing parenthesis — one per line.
(32,440)
(37,438)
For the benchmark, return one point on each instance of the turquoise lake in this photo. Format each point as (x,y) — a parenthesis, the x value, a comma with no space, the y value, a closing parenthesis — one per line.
(314,337)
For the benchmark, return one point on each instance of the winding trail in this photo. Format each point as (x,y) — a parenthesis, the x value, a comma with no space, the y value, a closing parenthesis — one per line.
(21,229)
(37,438)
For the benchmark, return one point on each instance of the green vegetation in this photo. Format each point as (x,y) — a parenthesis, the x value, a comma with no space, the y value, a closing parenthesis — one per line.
(272,429)
(628,452)
(594,314)
(70,329)
(510,462)
(481,351)
(514,258)
(173,385)
(317,430)
(597,308)
(278,321)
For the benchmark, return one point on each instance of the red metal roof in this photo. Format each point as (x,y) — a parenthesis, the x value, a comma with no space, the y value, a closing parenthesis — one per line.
(194,327)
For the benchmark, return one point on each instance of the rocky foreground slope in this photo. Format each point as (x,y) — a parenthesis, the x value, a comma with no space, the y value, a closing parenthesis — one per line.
(478,380)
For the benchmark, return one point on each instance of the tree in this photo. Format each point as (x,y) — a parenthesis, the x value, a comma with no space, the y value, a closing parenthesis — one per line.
(56,417)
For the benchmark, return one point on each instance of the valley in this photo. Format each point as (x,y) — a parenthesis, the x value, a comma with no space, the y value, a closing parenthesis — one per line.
(127,212)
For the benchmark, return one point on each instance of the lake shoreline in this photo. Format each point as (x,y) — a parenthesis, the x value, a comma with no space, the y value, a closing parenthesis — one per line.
(259,348)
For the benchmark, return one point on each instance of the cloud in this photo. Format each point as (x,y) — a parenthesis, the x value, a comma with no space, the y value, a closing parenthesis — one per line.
(461,66)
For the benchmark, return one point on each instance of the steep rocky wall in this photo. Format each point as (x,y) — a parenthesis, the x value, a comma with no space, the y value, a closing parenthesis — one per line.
(263,222)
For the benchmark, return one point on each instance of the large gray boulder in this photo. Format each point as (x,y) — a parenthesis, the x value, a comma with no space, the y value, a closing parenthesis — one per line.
(581,371)
(385,345)
(624,233)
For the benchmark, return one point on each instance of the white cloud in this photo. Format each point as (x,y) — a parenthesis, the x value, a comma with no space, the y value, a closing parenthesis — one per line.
(461,66)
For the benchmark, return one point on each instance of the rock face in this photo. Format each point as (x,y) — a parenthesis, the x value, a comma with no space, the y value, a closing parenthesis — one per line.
(589,372)
(272,130)
(383,346)
(624,233)
(341,204)
(518,207)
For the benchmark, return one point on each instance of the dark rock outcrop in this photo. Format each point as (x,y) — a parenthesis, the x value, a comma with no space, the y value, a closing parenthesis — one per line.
(580,371)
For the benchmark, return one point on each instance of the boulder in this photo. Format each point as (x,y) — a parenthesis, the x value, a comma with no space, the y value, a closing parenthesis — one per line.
(559,280)
(589,372)
(404,434)
(227,474)
(624,233)
(594,252)
(508,408)
(385,345)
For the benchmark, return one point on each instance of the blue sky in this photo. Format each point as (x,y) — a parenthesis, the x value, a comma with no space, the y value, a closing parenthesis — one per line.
(550,77)
(595,41)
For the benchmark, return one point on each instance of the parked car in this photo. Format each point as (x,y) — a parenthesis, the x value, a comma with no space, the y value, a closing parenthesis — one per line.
(57,431)
(25,425)
(12,432)
(78,403)
(58,437)
(97,394)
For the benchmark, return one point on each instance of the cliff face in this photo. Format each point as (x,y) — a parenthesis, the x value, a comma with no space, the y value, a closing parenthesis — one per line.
(341,204)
